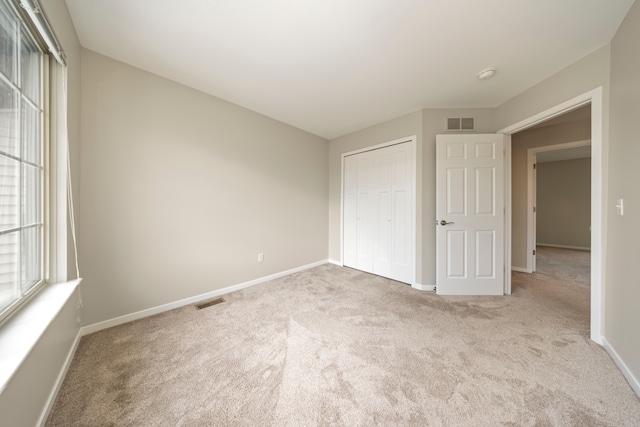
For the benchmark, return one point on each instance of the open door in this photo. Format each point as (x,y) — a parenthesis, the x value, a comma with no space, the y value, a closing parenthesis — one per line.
(470,214)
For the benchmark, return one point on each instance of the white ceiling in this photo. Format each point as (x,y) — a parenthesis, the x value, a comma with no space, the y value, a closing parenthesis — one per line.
(335,66)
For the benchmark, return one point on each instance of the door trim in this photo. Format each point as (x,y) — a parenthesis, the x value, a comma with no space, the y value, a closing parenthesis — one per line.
(531,199)
(598,193)
(507,214)
(413,173)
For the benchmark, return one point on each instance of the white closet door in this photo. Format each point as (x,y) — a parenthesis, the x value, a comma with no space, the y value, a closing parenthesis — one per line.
(378,204)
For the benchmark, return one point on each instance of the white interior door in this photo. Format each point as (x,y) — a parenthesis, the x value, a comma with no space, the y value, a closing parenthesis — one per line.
(378,202)
(470,214)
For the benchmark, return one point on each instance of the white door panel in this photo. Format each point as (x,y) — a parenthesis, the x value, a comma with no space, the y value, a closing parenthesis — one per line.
(364,241)
(401,265)
(456,191)
(350,211)
(381,226)
(403,208)
(382,257)
(456,266)
(470,214)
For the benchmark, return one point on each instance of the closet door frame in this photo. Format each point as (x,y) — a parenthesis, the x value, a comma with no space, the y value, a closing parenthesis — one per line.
(411,140)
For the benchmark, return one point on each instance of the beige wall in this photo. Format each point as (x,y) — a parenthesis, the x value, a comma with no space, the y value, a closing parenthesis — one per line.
(521,142)
(181,191)
(623,249)
(584,75)
(563,203)
(26,394)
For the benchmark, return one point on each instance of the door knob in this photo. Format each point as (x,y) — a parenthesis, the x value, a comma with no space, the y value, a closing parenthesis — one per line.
(443,222)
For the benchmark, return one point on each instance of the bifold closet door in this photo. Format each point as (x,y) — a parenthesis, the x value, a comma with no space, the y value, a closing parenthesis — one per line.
(377,212)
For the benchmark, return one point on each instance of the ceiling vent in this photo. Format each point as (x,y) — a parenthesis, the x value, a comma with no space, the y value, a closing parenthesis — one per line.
(461,124)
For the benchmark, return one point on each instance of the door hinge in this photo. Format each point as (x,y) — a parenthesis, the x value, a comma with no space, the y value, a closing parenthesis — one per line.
(534,208)
(534,251)
(534,165)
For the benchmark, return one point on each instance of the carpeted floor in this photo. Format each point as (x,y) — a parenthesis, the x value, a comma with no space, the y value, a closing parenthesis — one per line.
(335,346)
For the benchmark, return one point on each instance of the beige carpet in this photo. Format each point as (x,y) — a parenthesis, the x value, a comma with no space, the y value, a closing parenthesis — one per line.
(334,346)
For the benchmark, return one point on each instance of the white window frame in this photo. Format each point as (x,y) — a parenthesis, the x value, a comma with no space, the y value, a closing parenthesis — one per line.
(16,305)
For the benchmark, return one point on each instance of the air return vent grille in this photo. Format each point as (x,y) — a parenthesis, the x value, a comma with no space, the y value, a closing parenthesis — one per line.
(461,124)
(209,303)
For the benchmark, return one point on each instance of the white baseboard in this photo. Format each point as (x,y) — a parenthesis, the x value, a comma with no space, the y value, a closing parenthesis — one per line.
(551,245)
(418,286)
(56,388)
(633,381)
(520,269)
(335,262)
(89,329)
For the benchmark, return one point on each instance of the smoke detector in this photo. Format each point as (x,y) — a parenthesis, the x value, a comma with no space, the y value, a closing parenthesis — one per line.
(486,74)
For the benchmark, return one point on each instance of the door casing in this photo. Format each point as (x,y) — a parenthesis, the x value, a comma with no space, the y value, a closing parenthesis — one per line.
(598,195)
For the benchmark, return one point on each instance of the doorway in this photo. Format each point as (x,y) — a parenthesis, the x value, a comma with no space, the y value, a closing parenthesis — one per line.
(592,98)
(559,195)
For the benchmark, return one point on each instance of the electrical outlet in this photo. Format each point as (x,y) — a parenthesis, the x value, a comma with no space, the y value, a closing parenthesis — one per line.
(260,257)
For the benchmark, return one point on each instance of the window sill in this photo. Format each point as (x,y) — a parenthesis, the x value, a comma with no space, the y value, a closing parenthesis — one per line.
(21,332)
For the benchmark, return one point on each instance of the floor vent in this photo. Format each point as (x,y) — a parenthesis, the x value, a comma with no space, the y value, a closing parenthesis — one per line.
(209,303)
(465,124)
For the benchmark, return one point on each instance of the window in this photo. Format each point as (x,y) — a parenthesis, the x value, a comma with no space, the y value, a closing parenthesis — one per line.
(22,229)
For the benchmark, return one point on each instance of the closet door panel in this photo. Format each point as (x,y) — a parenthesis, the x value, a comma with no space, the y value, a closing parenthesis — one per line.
(350,211)
(383,226)
(366,212)
(402,209)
